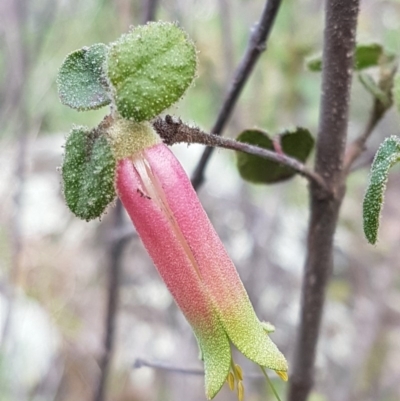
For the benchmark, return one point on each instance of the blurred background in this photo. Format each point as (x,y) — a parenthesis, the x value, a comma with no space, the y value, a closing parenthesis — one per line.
(56,271)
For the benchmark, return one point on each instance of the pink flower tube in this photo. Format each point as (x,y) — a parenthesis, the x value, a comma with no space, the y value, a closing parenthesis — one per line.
(193,263)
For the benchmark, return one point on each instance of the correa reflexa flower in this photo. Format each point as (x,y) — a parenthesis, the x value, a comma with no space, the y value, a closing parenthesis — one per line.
(140,75)
(190,257)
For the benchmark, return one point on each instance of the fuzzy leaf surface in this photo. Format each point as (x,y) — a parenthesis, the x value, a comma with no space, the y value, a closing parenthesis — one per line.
(387,155)
(81,80)
(88,173)
(150,68)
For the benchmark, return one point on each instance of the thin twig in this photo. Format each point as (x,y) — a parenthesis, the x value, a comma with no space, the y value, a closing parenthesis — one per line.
(113,282)
(173,132)
(257,45)
(140,363)
(357,147)
(339,41)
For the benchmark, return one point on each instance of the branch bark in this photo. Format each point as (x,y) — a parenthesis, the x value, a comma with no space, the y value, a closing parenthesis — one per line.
(113,284)
(257,45)
(339,41)
(173,132)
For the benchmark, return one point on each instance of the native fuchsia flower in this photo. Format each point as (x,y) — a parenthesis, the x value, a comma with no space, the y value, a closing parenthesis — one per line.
(190,257)
(140,75)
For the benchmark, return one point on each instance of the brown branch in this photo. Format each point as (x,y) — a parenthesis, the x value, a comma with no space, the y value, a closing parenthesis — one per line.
(113,283)
(173,132)
(257,45)
(339,41)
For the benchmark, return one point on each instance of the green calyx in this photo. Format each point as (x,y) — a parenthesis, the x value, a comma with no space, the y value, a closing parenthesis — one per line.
(90,157)
(129,137)
(149,69)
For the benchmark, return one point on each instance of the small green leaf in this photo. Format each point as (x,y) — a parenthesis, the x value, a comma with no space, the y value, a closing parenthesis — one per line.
(88,173)
(81,81)
(314,63)
(373,88)
(387,155)
(396,91)
(366,55)
(297,143)
(150,68)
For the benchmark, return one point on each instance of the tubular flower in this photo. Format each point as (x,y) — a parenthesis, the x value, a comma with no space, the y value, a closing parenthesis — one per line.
(190,258)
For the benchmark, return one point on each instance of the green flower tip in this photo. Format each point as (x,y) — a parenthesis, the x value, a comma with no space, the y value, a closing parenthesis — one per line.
(150,68)
(255,345)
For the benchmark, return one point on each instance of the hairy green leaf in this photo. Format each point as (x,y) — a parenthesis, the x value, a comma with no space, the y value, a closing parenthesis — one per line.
(150,68)
(88,173)
(387,155)
(81,81)
(296,143)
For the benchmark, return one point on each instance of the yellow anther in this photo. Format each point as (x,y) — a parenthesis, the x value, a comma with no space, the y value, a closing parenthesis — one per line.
(239,372)
(240,391)
(282,375)
(231,381)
